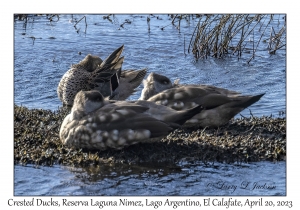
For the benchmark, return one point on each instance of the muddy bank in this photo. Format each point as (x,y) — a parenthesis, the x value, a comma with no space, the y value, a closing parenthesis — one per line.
(36,141)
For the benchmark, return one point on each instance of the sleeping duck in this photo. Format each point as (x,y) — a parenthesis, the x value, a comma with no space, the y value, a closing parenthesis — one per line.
(156,83)
(105,76)
(96,123)
(219,105)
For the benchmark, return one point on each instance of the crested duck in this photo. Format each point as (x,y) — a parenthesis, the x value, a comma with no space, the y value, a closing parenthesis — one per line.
(96,123)
(105,76)
(219,105)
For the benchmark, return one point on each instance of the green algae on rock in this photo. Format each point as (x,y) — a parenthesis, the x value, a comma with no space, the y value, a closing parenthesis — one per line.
(36,141)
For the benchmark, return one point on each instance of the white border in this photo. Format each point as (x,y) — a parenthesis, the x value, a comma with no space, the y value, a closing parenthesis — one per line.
(147,7)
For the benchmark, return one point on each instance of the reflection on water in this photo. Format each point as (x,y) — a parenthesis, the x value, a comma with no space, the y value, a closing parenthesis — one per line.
(263,178)
(43,52)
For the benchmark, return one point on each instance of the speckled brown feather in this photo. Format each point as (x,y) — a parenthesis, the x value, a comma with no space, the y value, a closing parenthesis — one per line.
(98,124)
(90,73)
(220,105)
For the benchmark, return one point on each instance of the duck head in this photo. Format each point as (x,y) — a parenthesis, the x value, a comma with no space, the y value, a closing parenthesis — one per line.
(86,102)
(155,83)
(89,63)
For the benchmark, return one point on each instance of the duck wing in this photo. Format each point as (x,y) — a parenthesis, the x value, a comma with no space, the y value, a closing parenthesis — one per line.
(101,78)
(129,80)
(113,128)
(185,97)
(112,58)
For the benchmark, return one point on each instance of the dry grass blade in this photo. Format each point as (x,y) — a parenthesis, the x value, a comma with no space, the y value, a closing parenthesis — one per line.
(77,30)
(277,41)
(218,35)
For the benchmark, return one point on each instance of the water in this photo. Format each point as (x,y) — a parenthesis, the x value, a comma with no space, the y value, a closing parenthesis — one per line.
(44,51)
(40,63)
(263,178)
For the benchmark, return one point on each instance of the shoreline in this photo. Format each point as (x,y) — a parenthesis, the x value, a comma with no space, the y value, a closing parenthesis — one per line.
(251,139)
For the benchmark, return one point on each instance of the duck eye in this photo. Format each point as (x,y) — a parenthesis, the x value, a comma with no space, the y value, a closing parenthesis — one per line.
(166,82)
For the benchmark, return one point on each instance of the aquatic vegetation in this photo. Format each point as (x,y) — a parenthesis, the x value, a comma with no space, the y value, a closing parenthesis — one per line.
(233,34)
(215,35)
(36,141)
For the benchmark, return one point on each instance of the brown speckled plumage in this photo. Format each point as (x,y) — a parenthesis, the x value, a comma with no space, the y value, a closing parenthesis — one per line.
(95,123)
(90,73)
(220,105)
(105,76)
